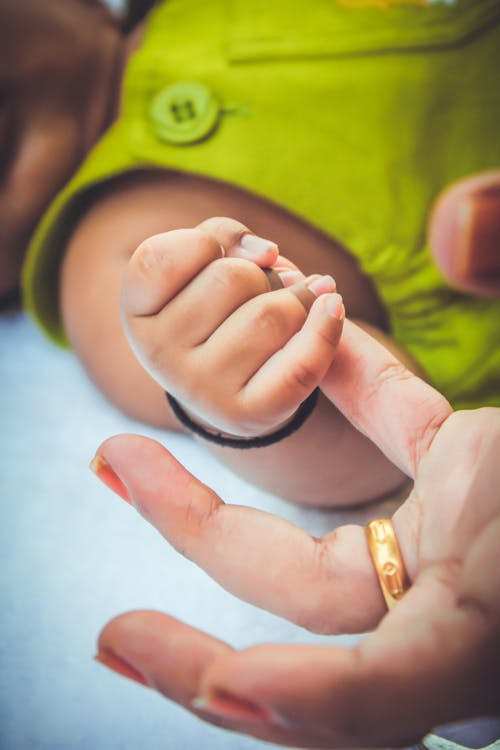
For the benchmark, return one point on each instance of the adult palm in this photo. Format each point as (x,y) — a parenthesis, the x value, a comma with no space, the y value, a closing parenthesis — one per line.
(434,658)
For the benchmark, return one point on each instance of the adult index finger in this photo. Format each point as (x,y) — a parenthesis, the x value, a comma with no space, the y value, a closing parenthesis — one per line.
(326,585)
(397,410)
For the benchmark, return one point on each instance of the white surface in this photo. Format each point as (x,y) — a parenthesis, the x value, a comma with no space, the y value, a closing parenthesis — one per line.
(73,556)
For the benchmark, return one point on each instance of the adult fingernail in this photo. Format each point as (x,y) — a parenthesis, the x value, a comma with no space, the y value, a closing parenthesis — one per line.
(320,284)
(232,708)
(108,476)
(335,306)
(109,659)
(478,252)
(253,247)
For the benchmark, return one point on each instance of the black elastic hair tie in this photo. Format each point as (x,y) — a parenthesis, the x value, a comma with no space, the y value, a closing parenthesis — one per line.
(298,419)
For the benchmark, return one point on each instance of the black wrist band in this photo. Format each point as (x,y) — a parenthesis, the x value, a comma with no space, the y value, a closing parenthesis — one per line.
(292,426)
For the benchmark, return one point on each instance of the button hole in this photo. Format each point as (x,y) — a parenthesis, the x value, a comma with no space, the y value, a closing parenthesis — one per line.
(183,111)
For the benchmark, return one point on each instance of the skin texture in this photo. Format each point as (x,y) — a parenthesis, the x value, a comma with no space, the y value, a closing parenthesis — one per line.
(445,632)
(44,107)
(102,251)
(59,63)
(464,231)
(55,123)
(433,659)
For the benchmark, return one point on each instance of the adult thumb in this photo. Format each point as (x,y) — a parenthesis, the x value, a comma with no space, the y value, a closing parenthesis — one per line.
(464,233)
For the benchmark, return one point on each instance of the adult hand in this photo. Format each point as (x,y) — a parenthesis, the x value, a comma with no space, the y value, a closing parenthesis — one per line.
(464,233)
(433,659)
(200,316)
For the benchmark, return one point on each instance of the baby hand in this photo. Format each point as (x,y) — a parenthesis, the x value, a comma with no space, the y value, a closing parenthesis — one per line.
(200,315)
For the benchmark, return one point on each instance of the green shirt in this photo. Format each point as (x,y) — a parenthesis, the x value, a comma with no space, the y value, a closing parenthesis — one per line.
(351,117)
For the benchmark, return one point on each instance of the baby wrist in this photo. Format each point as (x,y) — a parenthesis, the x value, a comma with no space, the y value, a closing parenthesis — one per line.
(232,441)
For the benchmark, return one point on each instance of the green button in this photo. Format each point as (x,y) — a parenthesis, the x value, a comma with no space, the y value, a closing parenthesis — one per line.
(185,112)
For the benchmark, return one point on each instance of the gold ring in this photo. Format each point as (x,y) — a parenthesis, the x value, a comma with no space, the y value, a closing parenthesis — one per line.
(386,556)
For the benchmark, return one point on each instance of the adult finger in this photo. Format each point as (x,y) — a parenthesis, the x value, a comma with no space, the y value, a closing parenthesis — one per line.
(425,666)
(464,233)
(197,672)
(159,652)
(398,411)
(326,585)
(171,657)
(420,669)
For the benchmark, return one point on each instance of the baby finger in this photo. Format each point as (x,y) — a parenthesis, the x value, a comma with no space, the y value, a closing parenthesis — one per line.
(290,375)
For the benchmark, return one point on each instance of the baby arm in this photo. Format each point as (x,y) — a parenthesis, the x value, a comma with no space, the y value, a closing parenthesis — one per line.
(241,359)
(319,464)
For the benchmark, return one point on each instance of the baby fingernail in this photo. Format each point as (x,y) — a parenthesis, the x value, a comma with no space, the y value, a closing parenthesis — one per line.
(230,707)
(320,284)
(290,277)
(335,306)
(120,666)
(479,235)
(253,247)
(105,473)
